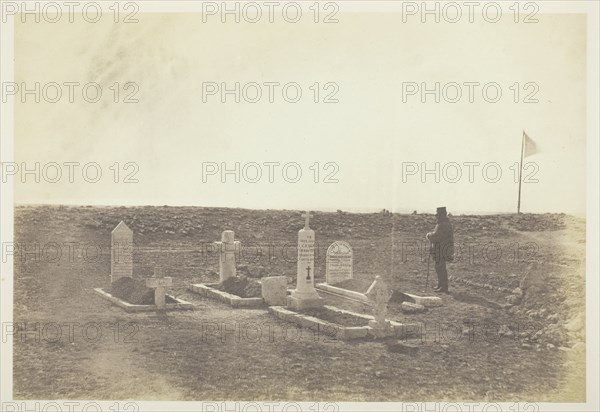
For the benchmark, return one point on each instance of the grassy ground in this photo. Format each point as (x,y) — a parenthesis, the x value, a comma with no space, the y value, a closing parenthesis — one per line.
(216,352)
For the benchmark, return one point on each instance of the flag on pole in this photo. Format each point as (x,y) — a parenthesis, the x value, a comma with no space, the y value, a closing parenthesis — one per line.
(529,146)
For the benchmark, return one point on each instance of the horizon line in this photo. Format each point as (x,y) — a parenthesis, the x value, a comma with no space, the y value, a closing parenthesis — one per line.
(324,210)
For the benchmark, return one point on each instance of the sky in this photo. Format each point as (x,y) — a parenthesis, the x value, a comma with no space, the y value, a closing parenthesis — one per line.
(369,147)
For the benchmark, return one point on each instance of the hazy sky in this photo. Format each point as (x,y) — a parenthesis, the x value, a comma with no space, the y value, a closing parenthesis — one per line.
(369,134)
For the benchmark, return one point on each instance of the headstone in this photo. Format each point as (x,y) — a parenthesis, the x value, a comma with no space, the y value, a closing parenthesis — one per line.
(159,283)
(228,247)
(338,266)
(121,252)
(274,290)
(305,295)
(379,294)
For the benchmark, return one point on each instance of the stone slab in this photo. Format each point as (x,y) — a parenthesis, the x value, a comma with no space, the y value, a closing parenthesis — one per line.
(274,290)
(332,329)
(427,301)
(408,307)
(299,304)
(205,289)
(180,305)
(350,294)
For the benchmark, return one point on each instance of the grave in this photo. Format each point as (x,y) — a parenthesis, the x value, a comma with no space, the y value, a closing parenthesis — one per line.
(339,269)
(124,287)
(344,324)
(228,248)
(305,295)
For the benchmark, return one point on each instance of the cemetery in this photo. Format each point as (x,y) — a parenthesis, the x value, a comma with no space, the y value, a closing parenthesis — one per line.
(332,309)
(302,305)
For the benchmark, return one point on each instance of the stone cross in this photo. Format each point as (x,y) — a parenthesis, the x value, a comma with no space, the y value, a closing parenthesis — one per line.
(159,283)
(379,294)
(227,251)
(306,217)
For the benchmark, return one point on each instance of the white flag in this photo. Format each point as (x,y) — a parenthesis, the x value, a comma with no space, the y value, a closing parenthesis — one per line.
(529,146)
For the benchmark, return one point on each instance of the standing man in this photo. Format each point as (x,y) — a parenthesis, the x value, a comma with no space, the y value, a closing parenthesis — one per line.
(442,247)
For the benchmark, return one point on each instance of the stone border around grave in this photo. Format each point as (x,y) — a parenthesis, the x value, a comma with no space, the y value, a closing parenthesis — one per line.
(333,329)
(343,292)
(427,301)
(129,307)
(207,289)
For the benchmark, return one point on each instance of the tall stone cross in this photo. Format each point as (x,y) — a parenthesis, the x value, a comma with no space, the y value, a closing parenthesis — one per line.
(159,283)
(306,217)
(228,248)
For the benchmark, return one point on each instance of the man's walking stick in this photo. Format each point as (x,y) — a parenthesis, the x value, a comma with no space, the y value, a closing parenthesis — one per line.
(428,259)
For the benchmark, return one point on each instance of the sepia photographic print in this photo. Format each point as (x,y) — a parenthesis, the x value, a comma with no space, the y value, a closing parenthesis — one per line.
(240,206)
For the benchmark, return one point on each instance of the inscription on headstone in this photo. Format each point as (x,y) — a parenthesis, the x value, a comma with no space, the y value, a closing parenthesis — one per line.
(121,252)
(338,266)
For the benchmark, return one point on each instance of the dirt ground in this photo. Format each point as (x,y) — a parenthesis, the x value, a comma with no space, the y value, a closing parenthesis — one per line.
(474,347)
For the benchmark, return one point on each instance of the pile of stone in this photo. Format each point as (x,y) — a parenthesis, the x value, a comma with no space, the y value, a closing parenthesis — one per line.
(240,286)
(133,291)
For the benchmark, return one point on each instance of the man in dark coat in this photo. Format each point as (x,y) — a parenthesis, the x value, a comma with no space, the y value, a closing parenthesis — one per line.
(442,247)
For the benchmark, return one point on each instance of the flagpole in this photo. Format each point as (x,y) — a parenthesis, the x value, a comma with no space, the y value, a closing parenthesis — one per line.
(521,172)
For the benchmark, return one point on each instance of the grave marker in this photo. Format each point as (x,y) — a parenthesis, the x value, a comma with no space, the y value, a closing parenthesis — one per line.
(274,290)
(338,266)
(305,294)
(121,252)
(379,294)
(228,247)
(159,283)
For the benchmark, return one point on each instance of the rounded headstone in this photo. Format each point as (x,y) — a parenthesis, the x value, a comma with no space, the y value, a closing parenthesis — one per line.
(338,266)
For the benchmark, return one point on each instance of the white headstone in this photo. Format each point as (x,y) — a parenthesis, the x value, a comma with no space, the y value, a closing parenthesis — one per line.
(228,247)
(274,290)
(121,252)
(338,266)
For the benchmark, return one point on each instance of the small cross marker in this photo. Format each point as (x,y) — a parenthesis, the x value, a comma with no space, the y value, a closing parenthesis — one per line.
(308,273)
(306,217)
(159,283)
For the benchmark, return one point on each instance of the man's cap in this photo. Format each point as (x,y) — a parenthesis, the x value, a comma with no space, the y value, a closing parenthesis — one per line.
(441,211)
